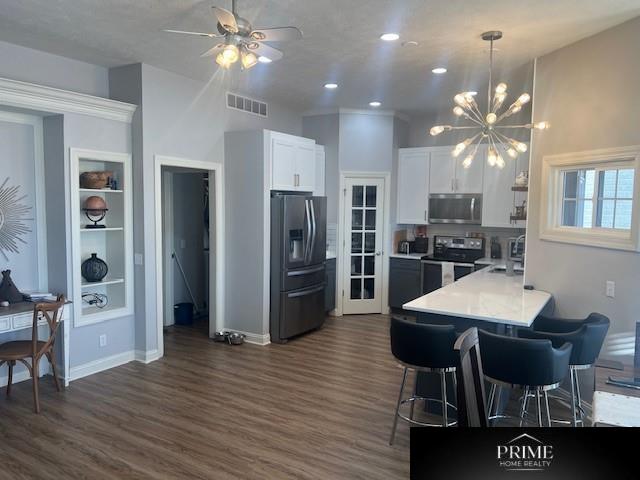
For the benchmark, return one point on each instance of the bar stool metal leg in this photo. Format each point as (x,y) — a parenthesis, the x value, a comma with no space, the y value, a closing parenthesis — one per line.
(539,404)
(523,405)
(443,390)
(395,417)
(572,374)
(546,401)
(415,392)
(579,400)
(492,395)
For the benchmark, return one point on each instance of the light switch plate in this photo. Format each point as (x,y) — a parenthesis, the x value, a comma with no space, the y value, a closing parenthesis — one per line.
(103,340)
(611,289)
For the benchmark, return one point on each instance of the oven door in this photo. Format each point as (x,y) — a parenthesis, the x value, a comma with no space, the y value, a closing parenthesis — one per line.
(459,208)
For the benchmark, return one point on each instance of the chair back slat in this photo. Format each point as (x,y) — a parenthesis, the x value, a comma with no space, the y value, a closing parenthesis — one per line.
(52,313)
(473,406)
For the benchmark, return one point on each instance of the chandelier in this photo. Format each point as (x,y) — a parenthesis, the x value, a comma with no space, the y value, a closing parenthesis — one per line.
(487,126)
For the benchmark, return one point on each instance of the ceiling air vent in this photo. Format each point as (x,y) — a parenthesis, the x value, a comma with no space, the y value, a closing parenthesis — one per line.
(247,105)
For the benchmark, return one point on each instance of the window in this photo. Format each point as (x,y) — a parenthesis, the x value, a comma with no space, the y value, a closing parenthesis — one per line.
(609,190)
(588,198)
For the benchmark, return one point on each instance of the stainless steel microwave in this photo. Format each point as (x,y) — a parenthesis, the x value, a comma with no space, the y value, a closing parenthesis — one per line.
(456,208)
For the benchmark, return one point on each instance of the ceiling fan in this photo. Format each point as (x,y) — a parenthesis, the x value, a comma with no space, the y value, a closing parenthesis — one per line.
(243,42)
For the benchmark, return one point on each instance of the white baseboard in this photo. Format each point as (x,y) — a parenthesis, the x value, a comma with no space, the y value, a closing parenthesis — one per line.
(20,373)
(254,338)
(147,356)
(17,377)
(100,365)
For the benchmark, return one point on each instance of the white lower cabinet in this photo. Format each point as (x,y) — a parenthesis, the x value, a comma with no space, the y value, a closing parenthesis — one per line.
(413,186)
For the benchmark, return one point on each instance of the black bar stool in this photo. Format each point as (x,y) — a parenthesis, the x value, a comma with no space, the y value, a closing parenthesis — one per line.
(423,348)
(522,363)
(587,337)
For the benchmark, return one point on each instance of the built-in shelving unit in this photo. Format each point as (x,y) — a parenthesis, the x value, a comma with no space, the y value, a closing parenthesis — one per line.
(113,244)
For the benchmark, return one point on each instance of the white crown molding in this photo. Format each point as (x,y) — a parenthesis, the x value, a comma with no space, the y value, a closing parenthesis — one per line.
(354,111)
(19,94)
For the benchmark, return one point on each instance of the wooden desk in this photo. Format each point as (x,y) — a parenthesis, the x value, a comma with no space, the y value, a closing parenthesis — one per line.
(19,316)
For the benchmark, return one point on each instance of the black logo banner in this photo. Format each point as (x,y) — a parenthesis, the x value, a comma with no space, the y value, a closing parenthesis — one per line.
(524,453)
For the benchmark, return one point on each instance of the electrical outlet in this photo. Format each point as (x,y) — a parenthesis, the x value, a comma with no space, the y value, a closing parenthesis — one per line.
(611,289)
(103,340)
(137,259)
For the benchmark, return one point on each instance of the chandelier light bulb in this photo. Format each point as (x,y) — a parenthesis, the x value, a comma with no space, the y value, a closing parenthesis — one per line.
(501,88)
(521,147)
(460,100)
(491,157)
(515,108)
(522,99)
(466,163)
(437,130)
(458,149)
(541,126)
(491,118)
(500,162)
(512,152)
(458,111)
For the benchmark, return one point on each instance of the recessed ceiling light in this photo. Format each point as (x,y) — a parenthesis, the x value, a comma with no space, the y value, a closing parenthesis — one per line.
(389,37)
(410,43)
(330,86)
(439,70)
(473,93)
(262,59)
(374,104)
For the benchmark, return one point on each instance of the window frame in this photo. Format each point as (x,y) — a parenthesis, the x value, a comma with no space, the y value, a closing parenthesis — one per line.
(553,168)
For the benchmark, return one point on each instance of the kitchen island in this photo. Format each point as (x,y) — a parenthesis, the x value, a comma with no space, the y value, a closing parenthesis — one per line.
(487,299)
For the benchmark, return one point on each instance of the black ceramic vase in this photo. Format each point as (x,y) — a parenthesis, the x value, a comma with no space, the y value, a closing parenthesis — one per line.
(94,269)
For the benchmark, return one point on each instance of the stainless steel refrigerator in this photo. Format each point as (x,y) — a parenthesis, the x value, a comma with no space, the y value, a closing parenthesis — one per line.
(298,253)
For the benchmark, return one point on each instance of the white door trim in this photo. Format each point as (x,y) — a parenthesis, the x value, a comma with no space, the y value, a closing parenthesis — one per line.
(386,236)
(216,220)
(167,235)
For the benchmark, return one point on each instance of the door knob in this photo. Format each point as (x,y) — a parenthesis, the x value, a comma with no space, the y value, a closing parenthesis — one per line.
(378,254)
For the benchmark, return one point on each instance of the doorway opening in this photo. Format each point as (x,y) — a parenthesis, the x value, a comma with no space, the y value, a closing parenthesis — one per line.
(189,247)
(185,249)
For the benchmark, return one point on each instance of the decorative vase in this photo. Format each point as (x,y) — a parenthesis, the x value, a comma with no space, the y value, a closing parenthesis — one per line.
(95,180)
(94,269)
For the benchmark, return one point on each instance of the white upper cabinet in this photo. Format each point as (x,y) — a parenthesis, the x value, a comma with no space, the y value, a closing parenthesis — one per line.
(293,162)
(447,175)
(443,171)
(469,180)
(305,167)
(413,186)
(319,188)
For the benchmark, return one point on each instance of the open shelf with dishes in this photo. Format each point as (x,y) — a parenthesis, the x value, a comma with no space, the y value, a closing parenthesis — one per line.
(102,239)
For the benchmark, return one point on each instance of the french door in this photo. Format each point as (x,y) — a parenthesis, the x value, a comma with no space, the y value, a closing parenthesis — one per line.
(363,227)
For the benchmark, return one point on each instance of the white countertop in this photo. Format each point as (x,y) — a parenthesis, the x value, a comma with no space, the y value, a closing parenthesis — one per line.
(485,295)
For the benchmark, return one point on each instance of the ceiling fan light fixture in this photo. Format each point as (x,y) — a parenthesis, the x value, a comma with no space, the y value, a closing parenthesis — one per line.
(249,59)
(222,61)
(389,37)
(231,53)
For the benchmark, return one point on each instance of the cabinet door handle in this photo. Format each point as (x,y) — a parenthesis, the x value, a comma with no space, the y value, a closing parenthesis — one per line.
(425,215)
(453,188)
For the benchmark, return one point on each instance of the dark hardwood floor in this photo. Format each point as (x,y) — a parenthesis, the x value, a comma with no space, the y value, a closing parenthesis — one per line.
(318,407)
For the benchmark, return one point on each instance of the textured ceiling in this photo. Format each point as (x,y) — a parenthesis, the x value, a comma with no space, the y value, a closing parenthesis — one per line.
(340,44)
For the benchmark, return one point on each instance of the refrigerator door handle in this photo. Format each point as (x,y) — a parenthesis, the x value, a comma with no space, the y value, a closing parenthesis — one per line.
(304,293)
(314,232)
(298,273)
(307,243)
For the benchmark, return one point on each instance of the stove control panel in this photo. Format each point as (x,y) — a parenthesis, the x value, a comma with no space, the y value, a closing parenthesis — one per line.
(459,242)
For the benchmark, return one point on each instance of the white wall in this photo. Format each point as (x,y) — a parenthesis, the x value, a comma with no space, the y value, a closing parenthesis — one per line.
(589,93)
(28,65)
(179,117)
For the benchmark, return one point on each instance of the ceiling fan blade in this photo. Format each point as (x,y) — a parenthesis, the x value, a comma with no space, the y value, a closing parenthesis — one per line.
(213,50)
(226,19)
(263,50)
(281,34)
(198,34)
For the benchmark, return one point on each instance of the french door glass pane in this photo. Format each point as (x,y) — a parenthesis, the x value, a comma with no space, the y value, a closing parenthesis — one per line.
(356,265)
(369,265)
(356,242)
(370,220)
(356,219)
(356,288)
(369,242)
(357,196)
(371,195)
(369,291)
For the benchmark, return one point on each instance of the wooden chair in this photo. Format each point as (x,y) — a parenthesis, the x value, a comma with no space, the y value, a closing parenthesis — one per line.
(472,409)
(35,349)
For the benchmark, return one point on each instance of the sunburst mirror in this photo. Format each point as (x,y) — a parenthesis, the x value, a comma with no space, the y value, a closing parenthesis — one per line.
(13,218)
